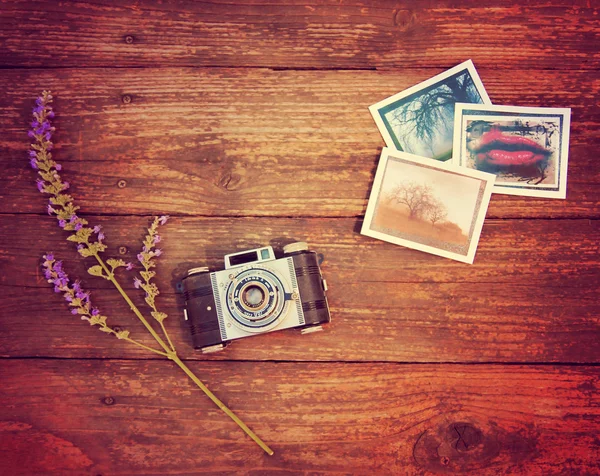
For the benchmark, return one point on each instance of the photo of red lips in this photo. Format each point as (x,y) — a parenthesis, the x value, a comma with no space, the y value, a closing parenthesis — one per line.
(497,148)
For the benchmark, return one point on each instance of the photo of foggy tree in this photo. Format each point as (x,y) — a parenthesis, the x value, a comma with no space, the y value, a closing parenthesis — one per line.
(422,123)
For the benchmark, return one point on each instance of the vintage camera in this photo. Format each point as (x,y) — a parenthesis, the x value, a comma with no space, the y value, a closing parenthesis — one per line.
(255,293)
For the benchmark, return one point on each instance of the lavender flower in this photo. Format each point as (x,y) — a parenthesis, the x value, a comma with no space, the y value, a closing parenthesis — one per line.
(137,282)
(61,205)
(146,258)
(50,182)
(76,297)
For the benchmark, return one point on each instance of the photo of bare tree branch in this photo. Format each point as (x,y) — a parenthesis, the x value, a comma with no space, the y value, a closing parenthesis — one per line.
(423,122)
(420,120)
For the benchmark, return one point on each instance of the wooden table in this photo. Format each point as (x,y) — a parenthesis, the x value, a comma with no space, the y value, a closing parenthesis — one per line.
(248,124)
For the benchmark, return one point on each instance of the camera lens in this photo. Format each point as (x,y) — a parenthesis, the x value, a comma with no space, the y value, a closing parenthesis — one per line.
(253,296)
(255,299)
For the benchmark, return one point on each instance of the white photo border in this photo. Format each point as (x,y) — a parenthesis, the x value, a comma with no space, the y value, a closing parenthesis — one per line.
(376,108)
(479,216)
(481,110)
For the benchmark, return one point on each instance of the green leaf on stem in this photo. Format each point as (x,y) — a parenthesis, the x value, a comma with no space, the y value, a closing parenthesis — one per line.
(115,263)
(97,271)
(159,316)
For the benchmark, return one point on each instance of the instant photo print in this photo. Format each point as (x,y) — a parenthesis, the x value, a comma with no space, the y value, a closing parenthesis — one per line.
(428,205)
(526,148)
(420,120)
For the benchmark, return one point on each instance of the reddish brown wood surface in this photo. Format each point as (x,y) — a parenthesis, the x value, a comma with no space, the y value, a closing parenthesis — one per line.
(123,417)
(502,308)
(255,142)
(248,123)
(324,34)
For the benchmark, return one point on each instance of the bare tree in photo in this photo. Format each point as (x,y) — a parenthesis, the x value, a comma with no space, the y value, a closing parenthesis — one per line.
(432,112)
(415,196)
(436,212)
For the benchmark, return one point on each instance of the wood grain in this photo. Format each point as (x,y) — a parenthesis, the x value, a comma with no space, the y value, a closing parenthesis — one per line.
(531,295)
(248,123)
(253,142)
(326,34)
(123,417)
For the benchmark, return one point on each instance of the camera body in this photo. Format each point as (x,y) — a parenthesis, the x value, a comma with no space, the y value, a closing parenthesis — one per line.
(255,293)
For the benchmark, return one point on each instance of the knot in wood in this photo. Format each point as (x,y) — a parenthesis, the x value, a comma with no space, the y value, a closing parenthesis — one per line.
(122,250)
(230,181)
(122,183)
(467,436)
(404,19)
(126,99)
(108,401)
(129,39)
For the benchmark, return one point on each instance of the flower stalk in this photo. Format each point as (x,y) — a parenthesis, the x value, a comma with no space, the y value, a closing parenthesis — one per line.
(90,244)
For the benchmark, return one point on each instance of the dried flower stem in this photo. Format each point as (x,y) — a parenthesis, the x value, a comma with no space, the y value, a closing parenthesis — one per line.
(66,214)
(146,258)
(172,355)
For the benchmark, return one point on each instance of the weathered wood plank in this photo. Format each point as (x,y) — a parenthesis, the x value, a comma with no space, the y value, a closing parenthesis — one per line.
(328,34)
(230,142)
(531,295)
(120,417)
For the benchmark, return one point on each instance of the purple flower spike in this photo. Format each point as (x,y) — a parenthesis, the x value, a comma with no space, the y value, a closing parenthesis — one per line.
(73,219)
(163,219)
(140,257)
(51,210)
(66,185)
(31,134)
(74,311)
(62,223)
(158,253)
(95,311)
(80,247)
(40,185)
(97,228)
(48,256)
(79,226)
(100,236)
(51,114)
(32,153)
(33,163)
(156,239)
(48,136)
(129,266)
(58,167)
(137,283)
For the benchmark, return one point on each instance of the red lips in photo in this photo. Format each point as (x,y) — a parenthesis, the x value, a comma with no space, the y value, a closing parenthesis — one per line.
(497,148)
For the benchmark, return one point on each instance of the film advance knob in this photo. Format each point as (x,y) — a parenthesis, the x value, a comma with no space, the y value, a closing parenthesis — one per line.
(294,247)
(201,269)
